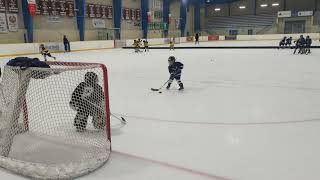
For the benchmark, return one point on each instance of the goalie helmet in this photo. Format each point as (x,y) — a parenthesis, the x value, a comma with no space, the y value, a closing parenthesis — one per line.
(91,77)
(171,59)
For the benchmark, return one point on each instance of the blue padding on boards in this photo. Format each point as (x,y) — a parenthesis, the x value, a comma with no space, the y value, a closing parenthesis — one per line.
(166,12)
(28,21)
(197,19)
(183,17)
(144,14)
(117,9)
(81,5)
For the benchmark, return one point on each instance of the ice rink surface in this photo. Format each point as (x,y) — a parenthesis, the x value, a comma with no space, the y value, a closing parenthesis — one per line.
(244,114)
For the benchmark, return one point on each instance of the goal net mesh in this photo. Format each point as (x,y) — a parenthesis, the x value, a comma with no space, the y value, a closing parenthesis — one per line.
(54,122)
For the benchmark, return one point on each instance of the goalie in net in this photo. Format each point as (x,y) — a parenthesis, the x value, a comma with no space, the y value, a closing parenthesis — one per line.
(39,127)
(87,99)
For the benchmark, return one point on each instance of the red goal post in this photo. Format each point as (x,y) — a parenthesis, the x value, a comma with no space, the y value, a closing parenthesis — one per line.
(38,138)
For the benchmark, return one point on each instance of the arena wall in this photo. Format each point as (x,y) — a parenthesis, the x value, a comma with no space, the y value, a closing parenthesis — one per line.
(130,30)
(91,33)
(33,48)
(15,37)
(175,16)
(190,22)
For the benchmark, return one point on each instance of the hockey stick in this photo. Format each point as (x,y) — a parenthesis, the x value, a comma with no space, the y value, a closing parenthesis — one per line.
(121,119)
(154,89)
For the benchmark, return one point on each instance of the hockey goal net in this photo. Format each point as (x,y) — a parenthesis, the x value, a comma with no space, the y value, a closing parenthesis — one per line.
(54,122)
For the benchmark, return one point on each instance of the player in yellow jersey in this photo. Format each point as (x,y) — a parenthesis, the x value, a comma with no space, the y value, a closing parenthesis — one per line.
(136,44)
(45,52)
(146,45)
(171,44)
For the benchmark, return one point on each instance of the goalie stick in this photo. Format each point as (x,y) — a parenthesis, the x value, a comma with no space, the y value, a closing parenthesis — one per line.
(121,119)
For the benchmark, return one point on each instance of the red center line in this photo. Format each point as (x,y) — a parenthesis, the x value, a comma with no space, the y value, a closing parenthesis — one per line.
(180,168)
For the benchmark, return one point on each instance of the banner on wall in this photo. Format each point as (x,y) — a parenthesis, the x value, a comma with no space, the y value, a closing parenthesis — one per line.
(44,5)
(138,14)
(98,23)
(282,14)
(12,20)
(32,7)
(156,4)
(150,16)
(38,7)
(3,23)
(54,19)
(127,13)
(91,10)
(305,13)
(13,6)
(70,8)
(51,7)
(132,14)
(103,11)
(2,6)
(97,10)
(62,10)
(109,12)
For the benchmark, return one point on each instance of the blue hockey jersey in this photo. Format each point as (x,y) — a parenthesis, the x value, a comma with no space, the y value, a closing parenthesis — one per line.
(175,68)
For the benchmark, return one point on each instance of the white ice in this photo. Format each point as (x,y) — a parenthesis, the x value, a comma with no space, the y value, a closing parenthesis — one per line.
(245,114)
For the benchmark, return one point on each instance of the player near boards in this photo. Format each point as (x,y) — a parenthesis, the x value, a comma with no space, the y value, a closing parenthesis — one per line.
(88,100)
(146,45)
(171,45)
(66,44)
(175,70)
(197,38)
(136,44)
(300,45)
(282,43)
(288,41)
(308,44)
(45,52)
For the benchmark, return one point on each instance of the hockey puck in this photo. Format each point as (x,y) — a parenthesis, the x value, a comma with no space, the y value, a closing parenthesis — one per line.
(160,92)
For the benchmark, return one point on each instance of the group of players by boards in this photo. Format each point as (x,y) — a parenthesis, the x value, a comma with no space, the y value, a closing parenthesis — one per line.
(303,45)
(137,44)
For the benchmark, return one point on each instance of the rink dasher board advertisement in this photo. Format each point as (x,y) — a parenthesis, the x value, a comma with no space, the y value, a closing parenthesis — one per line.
(12,20)
(12,6)
(2,6)
(98,23)
(3,23)
(8,22)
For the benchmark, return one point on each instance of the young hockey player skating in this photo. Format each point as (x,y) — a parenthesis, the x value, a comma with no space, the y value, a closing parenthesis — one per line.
(146,45)
(289,41)
(308,44)
(197,38)
(136,44)
(171,45)
(300,45)
(282,42)
(175,72)
(45,52)
(87,99)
